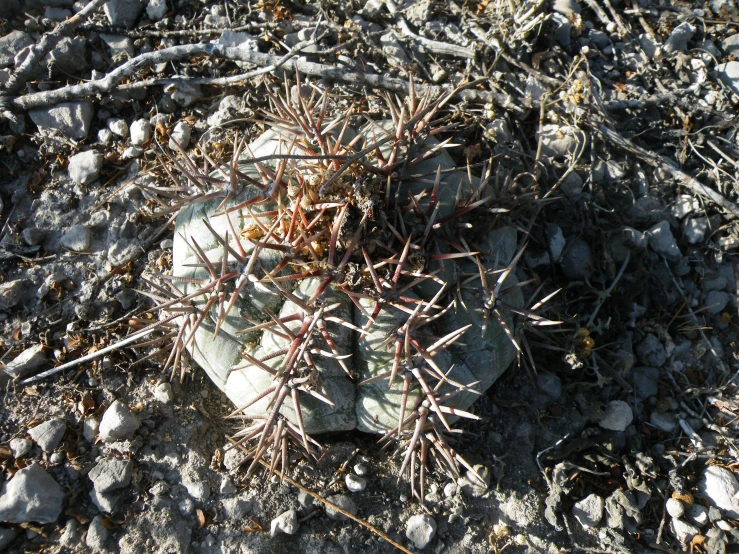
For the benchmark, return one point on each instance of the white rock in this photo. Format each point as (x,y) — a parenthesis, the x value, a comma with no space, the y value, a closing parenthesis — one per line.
(589,511)
(719,486)
(618,416)
(286,522)
(663,242)
(90,428)
(118,423)
(156,9)
(355,483)
(197,488)
(227,487)
(118,127)
(85,167)
(97,534)
(420,530)
(695,229)
(104,136)
(729,75)
(48,434)
(140,132)
(10,293)
(20,447)
(77,239)
(180,135)
(698,513)
(675,508)
(31,495)
(163,393)
(678,39)
(684,530)
(25,362)
(361,469)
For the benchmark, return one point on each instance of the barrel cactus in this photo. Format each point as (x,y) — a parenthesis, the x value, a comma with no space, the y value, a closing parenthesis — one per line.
(336,276)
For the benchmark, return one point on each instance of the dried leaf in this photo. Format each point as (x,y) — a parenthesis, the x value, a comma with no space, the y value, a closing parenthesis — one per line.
(200,517)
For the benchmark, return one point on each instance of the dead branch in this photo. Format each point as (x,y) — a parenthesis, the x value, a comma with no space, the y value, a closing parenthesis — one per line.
(108,83)
(655,160)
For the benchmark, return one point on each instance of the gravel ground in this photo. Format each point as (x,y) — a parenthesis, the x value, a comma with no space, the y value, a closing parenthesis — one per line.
(611,131)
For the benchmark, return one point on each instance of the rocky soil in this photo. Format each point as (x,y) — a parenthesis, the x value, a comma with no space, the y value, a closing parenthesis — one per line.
(612,129)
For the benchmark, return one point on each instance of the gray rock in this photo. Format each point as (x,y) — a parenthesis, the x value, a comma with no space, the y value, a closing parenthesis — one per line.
(77,239)
(719,486)
(566,7)
(664,421)
(600,39)
(236,508)
(555,239)
(227,487)
(724,8)
(48,434)
(674,507)
(105,502)
(97,534)
(731,45)
(698,513)
(140,132)
(343,501)
(71,119)
(10,293)
(558,141)
(498,129)
(663,242)
(419,13)
(306,501)
(650,351)
(119,47)
(286,522)
(618,416)
(589,511)
(475,483)
(678,39)
(197,488)
(577,259)
(156,9)
(25,362)
(684,530)
(392,49)
(180,135)
(118,423)
(31,495)
(57,14)
(20,447)
(111,474)
(549,384)
(420,530)
(372,9)
(69,55)
(650,46)
(163,393)
(127,298)
(728,73)
(695,229)
(85,167)
(646,382)
(355,483)
(11,44)
(123,13)
(716,301)
(33,235)
(7,536)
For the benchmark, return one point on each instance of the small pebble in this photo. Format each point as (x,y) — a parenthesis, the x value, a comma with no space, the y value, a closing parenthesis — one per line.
(287,523)
(675,508)
(180,135)
(57,458)
(664,421)
(140,132)
(450,489)
(361,469)
(420,530)
(20,447)
(343,501)
(163,393)
(77,239)
(684,530)
(118,127)
(25,362)
(85,167)
(118,423)
(97,534)
(618,416)
(227,487)
(698,513)
(355,483)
